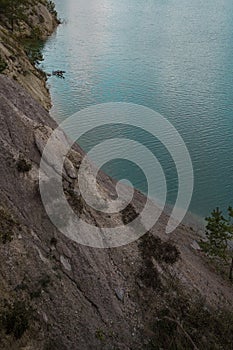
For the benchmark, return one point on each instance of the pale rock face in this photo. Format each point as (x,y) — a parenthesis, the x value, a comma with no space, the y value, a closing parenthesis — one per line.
(195,245)
(19,65)
(70,169)
(65,263)
(58,153)
(85,293)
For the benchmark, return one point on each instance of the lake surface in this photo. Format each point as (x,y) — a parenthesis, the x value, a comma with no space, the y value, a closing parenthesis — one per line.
(173,56)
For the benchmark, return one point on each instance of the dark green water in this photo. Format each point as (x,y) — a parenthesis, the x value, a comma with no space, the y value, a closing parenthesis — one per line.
(174,56)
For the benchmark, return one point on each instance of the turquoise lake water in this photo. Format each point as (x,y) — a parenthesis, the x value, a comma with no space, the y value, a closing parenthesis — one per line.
(173,56)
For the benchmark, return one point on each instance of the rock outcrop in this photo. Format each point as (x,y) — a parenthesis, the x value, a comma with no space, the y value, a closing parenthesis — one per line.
(38,25)
(79,298)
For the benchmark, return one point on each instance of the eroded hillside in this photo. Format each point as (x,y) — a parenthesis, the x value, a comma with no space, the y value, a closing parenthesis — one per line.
(158,292)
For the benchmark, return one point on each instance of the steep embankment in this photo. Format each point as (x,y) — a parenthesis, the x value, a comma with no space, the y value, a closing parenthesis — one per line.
(38,23)
(56,294)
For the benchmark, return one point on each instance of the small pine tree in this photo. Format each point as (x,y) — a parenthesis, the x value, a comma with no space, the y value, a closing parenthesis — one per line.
(219,233)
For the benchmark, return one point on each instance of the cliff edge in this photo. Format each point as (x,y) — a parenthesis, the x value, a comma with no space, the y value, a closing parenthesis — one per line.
(57,294)
(38,21)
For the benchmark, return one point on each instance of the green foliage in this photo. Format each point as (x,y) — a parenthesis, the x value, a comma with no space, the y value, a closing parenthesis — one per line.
(33,51)
(36,56)
(219,231)
(100,334)
(14,10)
(51,7)
(217,234)
(36,33)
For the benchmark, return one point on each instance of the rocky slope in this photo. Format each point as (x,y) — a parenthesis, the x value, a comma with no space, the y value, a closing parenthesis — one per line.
(40,22)
(57,294)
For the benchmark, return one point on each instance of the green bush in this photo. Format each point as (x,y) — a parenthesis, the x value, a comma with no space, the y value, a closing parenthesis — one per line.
(51,7)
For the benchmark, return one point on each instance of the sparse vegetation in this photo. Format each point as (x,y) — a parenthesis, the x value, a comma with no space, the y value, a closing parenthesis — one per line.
(33,52)
(39,286)
(186,322)
(51,8)
(53,241)
(100,334)
(34,288)
(15,318)
(44,281)
(23,165)
(36,33)
(182,320)
(3,64)
(75,200)
(152,247)
(149,275)
(7,225)
(26,24)
(14,10)
(129,214)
